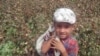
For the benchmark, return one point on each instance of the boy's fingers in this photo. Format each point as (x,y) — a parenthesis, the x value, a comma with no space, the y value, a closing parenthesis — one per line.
(53,43)
(53,47)
(50,40)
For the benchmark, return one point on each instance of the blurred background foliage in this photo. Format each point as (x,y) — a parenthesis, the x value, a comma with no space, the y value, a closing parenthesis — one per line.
(23,21)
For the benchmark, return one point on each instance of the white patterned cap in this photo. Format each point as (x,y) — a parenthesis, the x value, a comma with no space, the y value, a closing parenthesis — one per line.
(64,15)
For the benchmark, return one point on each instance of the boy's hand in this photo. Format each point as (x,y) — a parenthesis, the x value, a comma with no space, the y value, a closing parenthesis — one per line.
(46,45)
(58,46)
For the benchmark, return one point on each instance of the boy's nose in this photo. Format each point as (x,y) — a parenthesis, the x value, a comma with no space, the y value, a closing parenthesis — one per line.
(62,30)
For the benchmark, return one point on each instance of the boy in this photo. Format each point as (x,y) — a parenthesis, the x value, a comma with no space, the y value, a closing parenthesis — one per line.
(57,40)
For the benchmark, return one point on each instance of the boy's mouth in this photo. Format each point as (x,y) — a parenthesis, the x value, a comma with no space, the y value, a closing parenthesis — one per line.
(62,36)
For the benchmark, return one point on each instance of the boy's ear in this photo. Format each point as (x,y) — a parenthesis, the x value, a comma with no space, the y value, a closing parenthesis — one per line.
(73,27)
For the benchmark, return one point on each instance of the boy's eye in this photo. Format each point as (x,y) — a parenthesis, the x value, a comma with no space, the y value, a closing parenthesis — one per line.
(59,26)
(66,26)
(62,26)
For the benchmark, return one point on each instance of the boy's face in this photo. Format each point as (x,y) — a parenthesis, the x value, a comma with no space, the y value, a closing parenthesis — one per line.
(63,29)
